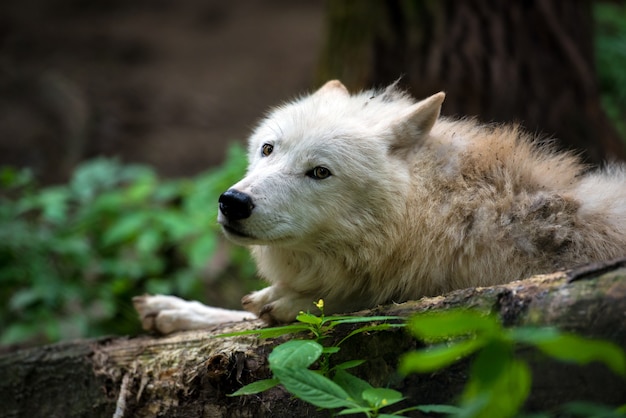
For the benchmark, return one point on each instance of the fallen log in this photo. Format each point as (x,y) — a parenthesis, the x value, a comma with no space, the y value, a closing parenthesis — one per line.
(190,374)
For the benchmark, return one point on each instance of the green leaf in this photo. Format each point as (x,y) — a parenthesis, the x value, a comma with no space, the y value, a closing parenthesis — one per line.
(309,318)
(500,397)
(473,407)
(287,329)
(159,286)
(452,323)
(141,189)
(312,387)
(201,250)
(14,333)
(112,202)
(187,282)
(381,397)
(295,354)
(492,361)
(591,410)
(356,410)
(353,385)
(331,350)
(333,321)
(271,332)
(22,298)
(11,177)
(572,348)
(174,223)
(532,335)
(348,364)
(53,203)
(434,408)
(149,241)
(371,328)
(256,387)
(438,357)
(126,227)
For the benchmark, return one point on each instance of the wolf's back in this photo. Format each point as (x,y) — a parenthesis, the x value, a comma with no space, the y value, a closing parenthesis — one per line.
(602,197)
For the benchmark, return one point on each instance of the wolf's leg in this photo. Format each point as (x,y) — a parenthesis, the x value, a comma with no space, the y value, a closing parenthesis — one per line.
(275,304)
(166,314)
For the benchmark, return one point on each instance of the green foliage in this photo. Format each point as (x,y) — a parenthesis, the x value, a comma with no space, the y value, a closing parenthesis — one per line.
(610,46)
(72,256)
(498,383)
(326,387)
(320,329)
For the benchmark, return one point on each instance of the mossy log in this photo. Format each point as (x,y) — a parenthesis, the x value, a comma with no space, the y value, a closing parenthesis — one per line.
(190,374)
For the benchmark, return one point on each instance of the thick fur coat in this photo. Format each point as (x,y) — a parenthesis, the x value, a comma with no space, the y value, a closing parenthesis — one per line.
(373,198)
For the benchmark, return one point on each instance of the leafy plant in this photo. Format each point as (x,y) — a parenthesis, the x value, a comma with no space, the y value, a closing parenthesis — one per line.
(326,387)
(610,47)
(72,256)
(499,382)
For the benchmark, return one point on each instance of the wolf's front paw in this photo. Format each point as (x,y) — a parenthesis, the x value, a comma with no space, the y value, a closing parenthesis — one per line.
(166,314)
(275,313)
(270,313)
(256,304)
(158,312)
(256,301)
(276,306)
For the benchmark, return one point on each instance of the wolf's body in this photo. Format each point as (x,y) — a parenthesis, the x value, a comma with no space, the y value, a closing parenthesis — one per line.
(372,198)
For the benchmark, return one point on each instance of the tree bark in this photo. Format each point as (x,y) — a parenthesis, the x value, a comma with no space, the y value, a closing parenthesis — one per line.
(530,62)
(190,374)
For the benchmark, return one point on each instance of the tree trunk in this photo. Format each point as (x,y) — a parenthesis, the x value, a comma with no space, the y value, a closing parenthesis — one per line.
(530,62)
(190,374)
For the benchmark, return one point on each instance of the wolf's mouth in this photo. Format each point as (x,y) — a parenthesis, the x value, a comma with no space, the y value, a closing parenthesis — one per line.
(233,231)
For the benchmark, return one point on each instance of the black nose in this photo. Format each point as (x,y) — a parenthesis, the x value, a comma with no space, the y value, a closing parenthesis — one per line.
(235,205)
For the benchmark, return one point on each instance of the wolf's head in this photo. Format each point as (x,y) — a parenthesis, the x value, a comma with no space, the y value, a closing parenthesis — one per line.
(327,167)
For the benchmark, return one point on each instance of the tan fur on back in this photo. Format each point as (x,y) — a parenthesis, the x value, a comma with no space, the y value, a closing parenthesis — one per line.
(416,205)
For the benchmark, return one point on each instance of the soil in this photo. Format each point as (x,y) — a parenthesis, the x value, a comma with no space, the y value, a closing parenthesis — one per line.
(164,82)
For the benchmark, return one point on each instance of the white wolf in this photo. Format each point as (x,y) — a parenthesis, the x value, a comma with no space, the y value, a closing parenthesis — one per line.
(372,198)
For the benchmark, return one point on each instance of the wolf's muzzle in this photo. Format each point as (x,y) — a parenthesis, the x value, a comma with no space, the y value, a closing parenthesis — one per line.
(235,205)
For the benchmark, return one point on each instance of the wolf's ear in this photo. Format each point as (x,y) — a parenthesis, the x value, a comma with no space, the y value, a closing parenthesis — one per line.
(333,86)
(416,122)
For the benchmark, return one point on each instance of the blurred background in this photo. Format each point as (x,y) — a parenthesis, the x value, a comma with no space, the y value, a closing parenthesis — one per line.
(122,121)
(166,83)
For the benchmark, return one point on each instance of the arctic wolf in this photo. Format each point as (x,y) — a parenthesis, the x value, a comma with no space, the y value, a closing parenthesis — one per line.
(373,198)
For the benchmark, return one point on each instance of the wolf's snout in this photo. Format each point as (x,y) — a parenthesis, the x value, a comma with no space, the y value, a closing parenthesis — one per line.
(235,205)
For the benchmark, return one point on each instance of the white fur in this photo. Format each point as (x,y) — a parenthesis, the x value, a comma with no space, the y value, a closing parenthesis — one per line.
(416,205)
(167,314)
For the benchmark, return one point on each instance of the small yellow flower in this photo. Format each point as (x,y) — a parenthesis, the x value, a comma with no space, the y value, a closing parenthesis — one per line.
(319,304)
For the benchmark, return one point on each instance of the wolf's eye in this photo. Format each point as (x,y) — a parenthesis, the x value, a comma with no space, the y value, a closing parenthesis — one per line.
(319,173)
(267,149)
